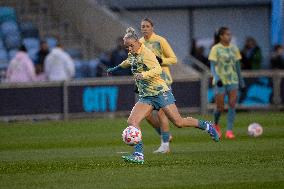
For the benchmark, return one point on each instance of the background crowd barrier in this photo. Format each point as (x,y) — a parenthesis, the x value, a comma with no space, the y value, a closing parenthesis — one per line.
(115,96)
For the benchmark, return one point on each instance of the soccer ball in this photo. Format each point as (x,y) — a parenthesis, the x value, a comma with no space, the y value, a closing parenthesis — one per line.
(131,135)
(255,130)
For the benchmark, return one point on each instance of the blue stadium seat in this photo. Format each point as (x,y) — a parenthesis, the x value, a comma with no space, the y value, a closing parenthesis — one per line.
(93,64)
(29,30)
(78,69)
(32,54)
(7,14)
(12,41)
(12,53)
(51,41)
(1,44)
(31,43)
(3,56)
(9,27)
(85,69)
(75,53)
(4,66)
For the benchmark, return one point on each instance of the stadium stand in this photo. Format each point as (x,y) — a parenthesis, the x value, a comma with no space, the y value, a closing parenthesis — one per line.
(41,20)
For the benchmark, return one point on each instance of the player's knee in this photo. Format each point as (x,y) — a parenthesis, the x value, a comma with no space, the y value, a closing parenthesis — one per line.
(151,121)
(148,118)
(220,108)
(232,105)
(164,124)
(178,123)
(132,122)
(163,119)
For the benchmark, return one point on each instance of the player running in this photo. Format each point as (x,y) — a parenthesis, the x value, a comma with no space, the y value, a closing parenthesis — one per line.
(225,67)
(154,94)
(166,57)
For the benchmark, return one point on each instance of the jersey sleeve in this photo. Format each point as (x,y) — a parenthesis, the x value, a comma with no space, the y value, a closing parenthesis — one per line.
(213,54)
(125,64)
(237,53)
(141,40)
(169,56)
(152,63)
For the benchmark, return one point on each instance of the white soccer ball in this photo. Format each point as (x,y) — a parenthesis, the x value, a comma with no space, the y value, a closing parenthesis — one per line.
(131,135)
(255,130)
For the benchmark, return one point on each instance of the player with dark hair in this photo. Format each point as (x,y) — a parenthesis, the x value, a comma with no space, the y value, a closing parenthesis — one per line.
(166,57)
(227,79)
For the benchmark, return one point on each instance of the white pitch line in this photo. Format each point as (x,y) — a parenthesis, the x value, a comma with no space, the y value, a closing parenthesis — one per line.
(122,152)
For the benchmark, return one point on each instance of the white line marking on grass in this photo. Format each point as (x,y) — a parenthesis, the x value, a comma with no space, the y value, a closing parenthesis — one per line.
(122,152)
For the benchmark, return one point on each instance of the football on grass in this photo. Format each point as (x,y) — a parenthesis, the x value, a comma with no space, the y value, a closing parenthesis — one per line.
(255,130)
(131,135)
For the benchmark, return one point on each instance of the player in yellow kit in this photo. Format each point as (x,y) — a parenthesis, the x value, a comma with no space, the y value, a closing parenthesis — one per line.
(154,94)
(166,57)
(227,79)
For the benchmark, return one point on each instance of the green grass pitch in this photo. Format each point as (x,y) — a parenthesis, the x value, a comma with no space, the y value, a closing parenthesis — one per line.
(86,154)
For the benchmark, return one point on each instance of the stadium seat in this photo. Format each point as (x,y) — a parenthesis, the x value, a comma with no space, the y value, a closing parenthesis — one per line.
(3,56)
(9,27)
(32,54)
(78,69)
(12,41)
(12,53)
(7,14)
(28,30)
(85,69)
(31,43)
(75,53)
(93,64)
(1,44)
(4,66)
(51,41)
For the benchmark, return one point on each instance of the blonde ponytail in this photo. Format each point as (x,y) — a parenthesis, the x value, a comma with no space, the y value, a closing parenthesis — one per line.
(131,34)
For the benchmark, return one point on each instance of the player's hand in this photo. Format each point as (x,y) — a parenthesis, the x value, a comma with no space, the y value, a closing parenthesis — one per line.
(138,76)
(159,60)
(219,83)
(111,70)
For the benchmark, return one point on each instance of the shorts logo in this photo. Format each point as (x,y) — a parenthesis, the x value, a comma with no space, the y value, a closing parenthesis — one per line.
(165,95)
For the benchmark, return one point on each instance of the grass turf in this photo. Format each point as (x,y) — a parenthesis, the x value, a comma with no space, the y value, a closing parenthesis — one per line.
(86,154)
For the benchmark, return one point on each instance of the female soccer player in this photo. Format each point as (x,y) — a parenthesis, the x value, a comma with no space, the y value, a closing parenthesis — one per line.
(166,57)
(153,92)
(225,67)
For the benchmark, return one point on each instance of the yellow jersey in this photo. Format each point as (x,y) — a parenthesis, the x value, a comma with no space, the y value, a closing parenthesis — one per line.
(146,63)
(225,58)
(162,49)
